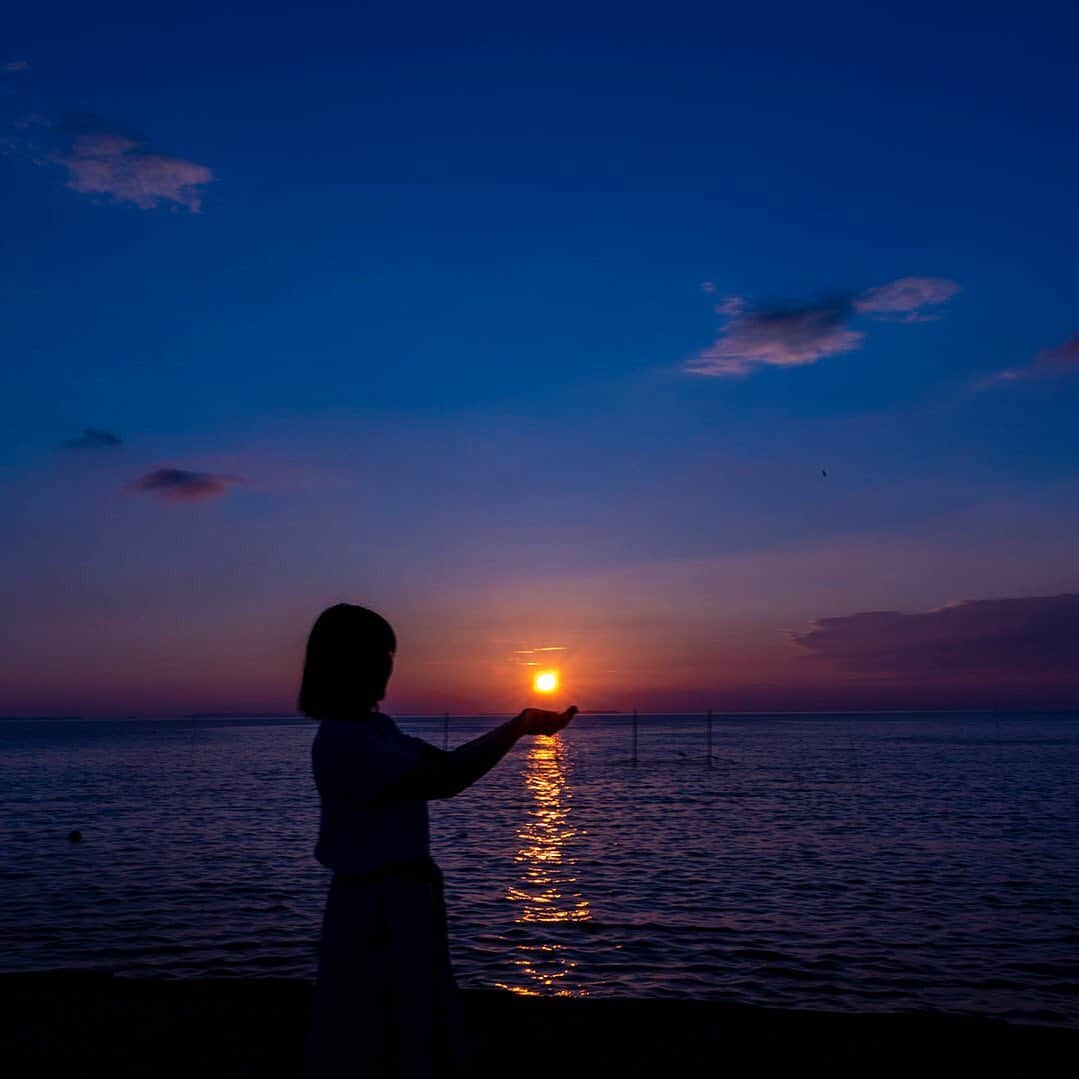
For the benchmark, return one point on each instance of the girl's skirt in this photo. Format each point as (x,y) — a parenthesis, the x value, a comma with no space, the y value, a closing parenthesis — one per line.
(385,1002)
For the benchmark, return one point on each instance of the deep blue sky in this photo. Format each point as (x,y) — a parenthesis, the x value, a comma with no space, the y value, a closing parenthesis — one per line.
(435,310)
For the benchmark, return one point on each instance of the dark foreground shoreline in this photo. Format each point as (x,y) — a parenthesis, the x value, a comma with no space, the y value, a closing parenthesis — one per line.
(91,1024)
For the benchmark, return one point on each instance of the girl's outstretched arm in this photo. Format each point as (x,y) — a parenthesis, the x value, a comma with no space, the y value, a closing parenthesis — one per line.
(444,773)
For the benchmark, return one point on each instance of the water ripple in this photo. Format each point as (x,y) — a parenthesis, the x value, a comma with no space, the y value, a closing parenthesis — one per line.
(856,863)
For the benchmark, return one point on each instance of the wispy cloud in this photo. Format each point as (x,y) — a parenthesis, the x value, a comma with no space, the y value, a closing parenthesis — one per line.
(1062,360)
(534,657)
(94,438)
(780,337)
(906,298)
(183,485)
(797,335)
(1049,363)
(1031,636)
(125,170)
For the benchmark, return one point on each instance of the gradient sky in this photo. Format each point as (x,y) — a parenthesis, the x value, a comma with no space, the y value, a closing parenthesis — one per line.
(540,330)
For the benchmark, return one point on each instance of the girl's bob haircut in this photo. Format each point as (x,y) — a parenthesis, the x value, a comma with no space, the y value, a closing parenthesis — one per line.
(348,664)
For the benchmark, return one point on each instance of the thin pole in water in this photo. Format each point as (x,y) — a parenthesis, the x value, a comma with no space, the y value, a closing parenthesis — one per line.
(445,730)
(709,737)
(634,761)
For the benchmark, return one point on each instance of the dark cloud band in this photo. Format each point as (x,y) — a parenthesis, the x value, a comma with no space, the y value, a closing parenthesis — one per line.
(183,485)
(94,438)
(985,640)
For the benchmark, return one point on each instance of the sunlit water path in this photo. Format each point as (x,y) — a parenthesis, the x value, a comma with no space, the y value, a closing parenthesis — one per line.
(851,862)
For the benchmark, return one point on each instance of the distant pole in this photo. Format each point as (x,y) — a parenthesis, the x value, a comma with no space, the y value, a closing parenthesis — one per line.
(445,730)
(709,737)
(634,761)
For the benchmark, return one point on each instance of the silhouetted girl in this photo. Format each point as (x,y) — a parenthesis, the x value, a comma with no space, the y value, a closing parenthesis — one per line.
(385,1001)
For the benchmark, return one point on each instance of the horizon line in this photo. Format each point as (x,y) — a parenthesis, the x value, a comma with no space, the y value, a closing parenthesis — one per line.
(702,712)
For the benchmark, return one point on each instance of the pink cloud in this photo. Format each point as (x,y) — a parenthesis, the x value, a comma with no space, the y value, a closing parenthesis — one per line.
(1010,374)
(183,485)
(113,165)
(1049,363)
(800,335)
(1062,360)
(790,337)
(732,306)
(906,296)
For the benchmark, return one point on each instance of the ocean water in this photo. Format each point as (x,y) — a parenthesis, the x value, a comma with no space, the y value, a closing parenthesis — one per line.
(851,862)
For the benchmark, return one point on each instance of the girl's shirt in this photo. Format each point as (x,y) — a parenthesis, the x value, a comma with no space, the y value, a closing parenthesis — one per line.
(354,761)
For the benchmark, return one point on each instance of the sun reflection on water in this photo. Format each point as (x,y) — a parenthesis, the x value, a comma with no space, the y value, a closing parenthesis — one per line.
(546,890)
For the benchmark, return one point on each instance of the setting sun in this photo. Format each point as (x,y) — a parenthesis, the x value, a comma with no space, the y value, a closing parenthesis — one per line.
(545,682)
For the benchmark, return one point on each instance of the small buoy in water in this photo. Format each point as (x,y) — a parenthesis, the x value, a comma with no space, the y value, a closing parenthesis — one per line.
(74,836)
